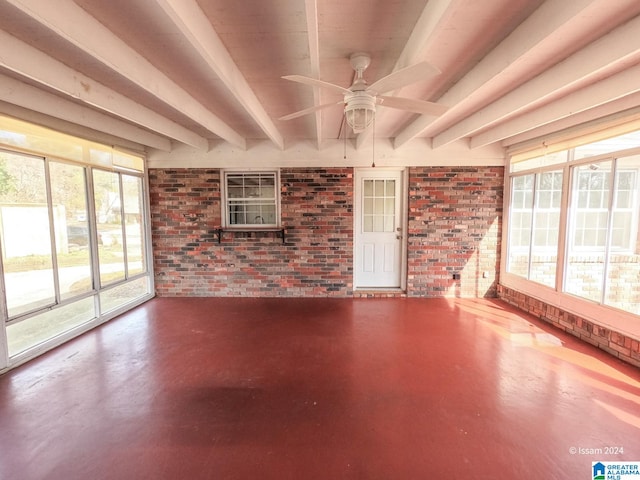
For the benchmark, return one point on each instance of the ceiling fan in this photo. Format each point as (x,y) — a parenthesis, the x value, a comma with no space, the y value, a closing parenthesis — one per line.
(360,99)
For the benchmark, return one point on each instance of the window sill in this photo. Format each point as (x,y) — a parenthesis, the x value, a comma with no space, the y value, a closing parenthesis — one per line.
(222,230)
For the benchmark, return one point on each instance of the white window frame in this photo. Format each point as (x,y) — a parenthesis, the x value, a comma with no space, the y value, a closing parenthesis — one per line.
(226,200)
(609,208)
(601,314)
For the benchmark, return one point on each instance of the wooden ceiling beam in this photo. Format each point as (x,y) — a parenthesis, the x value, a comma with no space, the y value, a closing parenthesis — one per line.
(35,65)
(414,49)
(311,12)
(611,89)
(18,93)
(619,48)
(71,22)
(547,20)
(197,29)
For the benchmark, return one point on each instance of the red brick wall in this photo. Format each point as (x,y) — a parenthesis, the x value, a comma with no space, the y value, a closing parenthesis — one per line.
(455,219)
(316,259)
(615,343)
(454,223)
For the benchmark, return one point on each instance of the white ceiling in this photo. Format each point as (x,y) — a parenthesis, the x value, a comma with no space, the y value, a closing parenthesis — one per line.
(207,73)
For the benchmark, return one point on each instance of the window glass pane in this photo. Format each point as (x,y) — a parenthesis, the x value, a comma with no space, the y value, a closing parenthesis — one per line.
(621,142)
(544,249)
(368,188)
(542,161)
(71,221)
(520,225)
(106,186)
(251,187)
(623,271)
(132,197)
(379,188)
(584,274)
(391,188)
(368,206)
(268,214)
(25,234)
(39,139)
(35,330)
(378,207)
(389,206)
(120,295)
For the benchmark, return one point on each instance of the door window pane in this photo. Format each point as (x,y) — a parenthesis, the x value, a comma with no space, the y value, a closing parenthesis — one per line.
(379,205)
(25,234)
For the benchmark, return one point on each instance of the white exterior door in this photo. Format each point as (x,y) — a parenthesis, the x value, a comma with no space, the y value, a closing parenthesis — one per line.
(378,228)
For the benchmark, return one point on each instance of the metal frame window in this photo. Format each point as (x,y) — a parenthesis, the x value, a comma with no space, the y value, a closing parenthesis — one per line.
(75,247)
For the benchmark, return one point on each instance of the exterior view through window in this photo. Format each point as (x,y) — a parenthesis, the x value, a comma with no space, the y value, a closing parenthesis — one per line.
(72,240)
(595,188)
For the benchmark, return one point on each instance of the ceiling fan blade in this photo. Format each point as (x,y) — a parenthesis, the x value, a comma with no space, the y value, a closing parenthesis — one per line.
(403,77)
(412,105)
(309,110)
(314,82)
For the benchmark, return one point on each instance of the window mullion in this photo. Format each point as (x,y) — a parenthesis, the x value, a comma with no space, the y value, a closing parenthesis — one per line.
(563,228)
(93,227)
(52,233)
(609,235)
(532,225)
(123,227)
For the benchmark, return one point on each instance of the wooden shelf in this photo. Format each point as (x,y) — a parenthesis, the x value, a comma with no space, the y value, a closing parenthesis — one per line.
(221,231)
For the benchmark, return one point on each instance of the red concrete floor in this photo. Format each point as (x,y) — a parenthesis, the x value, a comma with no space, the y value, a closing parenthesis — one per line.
(319,389)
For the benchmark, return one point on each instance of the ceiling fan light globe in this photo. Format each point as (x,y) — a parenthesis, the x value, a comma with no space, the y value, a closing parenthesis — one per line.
(359,110)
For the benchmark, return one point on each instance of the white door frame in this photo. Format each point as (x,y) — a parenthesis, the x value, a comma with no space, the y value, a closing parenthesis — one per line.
(403,220)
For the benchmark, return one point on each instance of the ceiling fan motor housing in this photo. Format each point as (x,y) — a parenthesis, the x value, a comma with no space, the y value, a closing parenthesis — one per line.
(359,62)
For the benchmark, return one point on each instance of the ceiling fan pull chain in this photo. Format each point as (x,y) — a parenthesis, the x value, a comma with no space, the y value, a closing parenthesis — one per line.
(373,144)
(343,128)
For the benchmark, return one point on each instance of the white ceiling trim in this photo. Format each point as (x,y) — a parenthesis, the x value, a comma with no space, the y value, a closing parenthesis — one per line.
(26,96)
(305,154)
(618,47)
(71,22)
(550,17)
(197,29)
(32,63)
